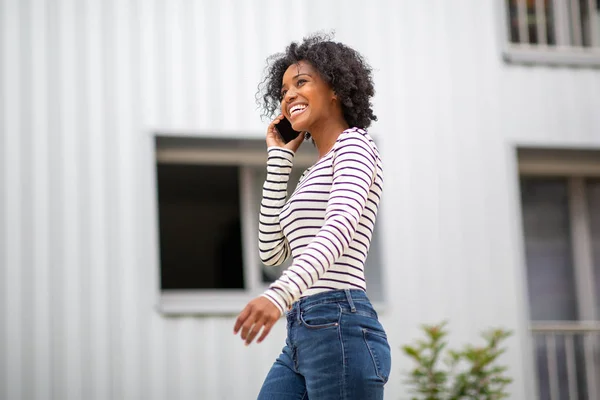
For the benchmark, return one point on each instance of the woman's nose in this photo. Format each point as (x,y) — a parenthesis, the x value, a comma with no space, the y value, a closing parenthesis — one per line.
(290,95)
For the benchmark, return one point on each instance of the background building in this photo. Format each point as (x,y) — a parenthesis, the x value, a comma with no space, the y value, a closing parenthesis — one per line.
(489,126)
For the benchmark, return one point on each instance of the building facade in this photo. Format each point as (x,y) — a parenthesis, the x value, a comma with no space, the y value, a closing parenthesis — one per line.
(488,126)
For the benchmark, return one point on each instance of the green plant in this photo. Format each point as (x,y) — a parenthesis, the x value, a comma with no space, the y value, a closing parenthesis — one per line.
(471,373)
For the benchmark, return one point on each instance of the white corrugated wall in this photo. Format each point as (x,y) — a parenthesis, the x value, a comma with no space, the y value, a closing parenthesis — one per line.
(85,84)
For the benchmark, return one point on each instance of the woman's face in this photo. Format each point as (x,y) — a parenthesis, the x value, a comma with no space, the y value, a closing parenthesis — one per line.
(305,98)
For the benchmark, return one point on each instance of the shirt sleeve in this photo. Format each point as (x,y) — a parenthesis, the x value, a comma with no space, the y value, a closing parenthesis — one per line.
(354,169)
(273,247)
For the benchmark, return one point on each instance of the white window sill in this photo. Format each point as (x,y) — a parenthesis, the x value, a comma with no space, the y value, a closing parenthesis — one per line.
(554,56)
(211,302)
(203,302)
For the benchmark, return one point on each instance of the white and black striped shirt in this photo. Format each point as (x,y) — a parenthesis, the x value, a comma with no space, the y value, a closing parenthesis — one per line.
(328,221)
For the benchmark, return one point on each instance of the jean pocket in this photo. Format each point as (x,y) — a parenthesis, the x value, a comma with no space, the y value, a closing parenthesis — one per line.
(321,316)
(380,351)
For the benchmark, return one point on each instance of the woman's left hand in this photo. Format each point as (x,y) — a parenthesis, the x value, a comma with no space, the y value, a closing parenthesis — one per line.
(259,313)
(274,139)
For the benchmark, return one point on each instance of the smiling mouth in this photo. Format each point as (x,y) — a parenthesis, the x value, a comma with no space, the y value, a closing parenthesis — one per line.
(297,109)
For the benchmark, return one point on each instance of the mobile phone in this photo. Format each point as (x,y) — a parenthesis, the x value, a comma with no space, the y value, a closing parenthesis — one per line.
(284,127)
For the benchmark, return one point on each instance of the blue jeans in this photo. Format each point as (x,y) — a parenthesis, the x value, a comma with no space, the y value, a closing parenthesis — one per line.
(336,349)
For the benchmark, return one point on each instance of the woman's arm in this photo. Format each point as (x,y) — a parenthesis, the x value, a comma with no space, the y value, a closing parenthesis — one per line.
(273,247)
(354,171)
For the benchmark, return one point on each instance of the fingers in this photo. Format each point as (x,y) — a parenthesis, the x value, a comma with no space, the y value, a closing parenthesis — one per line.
(247,330)
(295,144)
(241,319)
(265,332)
(273,138)
(253,325)
(266,323)
(259,314)
(246,321)
(252,332)
(275,122)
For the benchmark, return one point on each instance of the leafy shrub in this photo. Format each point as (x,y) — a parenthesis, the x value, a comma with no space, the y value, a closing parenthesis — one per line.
(471,373)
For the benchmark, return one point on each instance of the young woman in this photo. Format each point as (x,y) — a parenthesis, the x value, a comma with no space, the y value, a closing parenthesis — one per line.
(336,348)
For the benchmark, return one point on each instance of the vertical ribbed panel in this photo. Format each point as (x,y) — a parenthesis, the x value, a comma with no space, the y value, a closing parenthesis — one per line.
(85,84)
(41,344)
(3,211)
(4,10)
(12,165)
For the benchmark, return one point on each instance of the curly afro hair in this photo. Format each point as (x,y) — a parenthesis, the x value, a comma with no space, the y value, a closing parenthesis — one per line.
(341,67)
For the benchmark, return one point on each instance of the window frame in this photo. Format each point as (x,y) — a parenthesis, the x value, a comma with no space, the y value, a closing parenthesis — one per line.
(575,166)
(561,54)
(248,154)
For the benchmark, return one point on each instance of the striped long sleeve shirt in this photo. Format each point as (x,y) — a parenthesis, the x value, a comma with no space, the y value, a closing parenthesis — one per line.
(327,223)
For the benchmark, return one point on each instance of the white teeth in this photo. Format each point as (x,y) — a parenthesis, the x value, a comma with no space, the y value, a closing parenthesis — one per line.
(297,108)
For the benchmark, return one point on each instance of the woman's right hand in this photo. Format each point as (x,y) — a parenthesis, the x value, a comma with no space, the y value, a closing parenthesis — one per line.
(274,140)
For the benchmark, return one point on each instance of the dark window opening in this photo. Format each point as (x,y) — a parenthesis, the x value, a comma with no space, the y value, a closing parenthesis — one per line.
(531,22)
(541,21)
(553,293)
(548,252)
(199,227)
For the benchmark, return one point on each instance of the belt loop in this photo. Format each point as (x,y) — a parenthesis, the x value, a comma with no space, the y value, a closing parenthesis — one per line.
(350,302)
(297,307)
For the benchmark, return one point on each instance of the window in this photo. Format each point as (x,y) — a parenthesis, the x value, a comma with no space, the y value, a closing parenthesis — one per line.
(209,193)
(199,222)
(560,195)
(553,31)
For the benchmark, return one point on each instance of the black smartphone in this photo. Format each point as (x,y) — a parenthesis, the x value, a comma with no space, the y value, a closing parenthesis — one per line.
(284,127)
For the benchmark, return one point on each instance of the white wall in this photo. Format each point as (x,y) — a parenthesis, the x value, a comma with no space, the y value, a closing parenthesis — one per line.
(85,84)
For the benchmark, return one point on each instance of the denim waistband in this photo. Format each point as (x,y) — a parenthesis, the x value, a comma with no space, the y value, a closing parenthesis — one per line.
(349,296)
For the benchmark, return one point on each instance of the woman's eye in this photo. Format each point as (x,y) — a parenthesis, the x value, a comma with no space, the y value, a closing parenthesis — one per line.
(301,82)
(283,94)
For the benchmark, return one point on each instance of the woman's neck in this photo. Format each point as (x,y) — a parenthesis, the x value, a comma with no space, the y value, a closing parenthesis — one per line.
(327,133)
